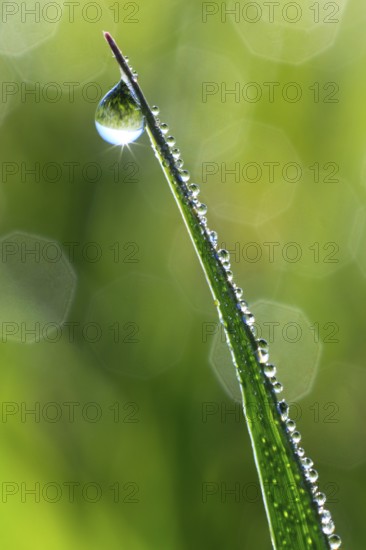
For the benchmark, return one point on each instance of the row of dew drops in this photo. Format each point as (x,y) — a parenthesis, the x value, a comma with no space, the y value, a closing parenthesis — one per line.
(192,192)
(262,351)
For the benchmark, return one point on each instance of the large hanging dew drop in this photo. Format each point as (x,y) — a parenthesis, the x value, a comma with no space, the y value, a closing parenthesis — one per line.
(118,118)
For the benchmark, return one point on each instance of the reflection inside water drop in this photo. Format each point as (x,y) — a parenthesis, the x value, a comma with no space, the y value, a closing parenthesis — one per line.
(118,118)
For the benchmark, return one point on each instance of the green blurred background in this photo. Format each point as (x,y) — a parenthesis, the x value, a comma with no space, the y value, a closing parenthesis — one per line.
(109,334)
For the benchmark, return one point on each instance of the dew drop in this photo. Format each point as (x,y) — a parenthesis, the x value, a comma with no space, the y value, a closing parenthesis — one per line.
(164,128)
(320,499)
(269,370)
(213,237)
(312,475)
(176,153)
(135,75)
(262,351)
(155,110)
(229,275)
(249,318)
(243,306)
(194,190)
(277,386)
(262,343)
(296,437)
(179,163)
(283,409)
(290,425)
(118,117)
(301,452)
(201,209)
(170,141)
(238,292)
(223,255)
(335,542)
(326,516)
(329,528)
(184,175)
(307,463)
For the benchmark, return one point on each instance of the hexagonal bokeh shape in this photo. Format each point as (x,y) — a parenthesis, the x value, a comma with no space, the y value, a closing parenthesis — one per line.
(38,284)
(59,62)
(294,350)
(25,27)
(288,32)
(312,237)
(255,179)
(335,411)
(137,325)
(201,89)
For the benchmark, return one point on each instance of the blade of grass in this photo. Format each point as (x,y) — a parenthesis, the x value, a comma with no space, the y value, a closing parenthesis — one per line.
(294,507)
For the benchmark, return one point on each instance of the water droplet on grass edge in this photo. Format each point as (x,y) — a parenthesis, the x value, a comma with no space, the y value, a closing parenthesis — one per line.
(118,117)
